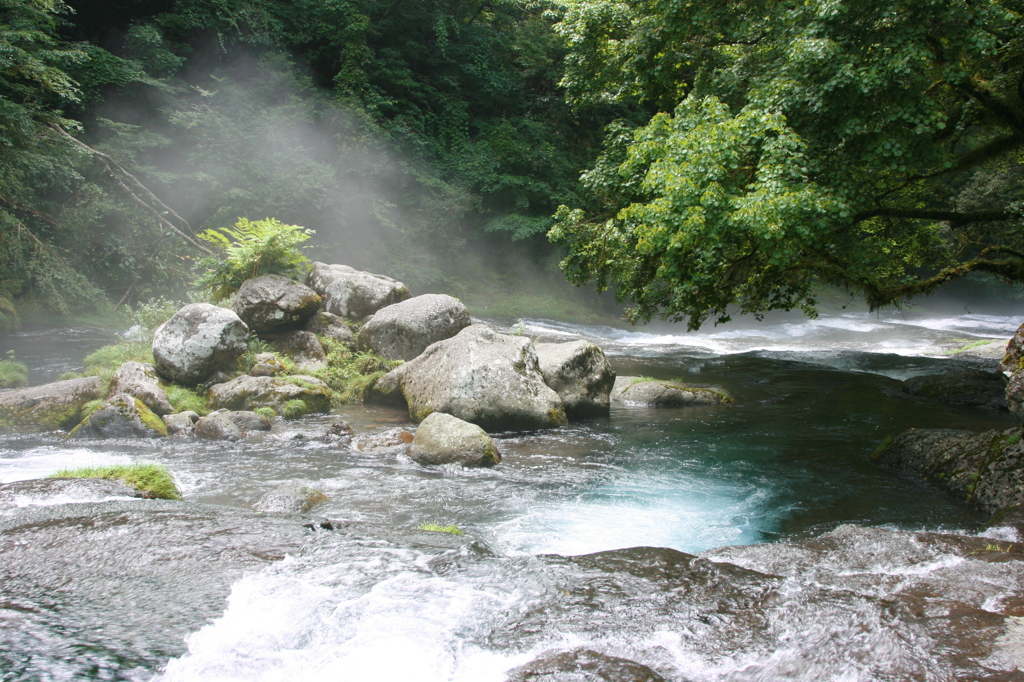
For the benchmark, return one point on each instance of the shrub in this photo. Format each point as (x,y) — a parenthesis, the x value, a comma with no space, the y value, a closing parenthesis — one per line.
(152,479)
(252,248)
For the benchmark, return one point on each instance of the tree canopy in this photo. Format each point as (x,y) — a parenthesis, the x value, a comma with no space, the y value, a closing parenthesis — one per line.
(867,143)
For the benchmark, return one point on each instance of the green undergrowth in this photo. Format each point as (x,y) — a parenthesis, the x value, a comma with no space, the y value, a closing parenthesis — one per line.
(351,374)
(105,361)
(184,399)
(12,372)
(437,528)
(266,411)
(152,479)
(293,409)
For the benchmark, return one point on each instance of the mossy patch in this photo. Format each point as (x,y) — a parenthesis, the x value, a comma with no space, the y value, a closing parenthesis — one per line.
(969,346)
(295,408)
(152,479)
(12,373)
(351,374)
(184,399)
(437,528)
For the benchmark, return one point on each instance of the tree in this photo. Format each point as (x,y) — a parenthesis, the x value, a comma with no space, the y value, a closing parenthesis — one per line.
(868,143)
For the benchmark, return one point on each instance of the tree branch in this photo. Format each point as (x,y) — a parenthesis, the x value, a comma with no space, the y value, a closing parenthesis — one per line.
(954,217)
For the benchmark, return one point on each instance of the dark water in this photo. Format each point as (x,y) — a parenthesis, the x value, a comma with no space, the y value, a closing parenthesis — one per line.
(787,462)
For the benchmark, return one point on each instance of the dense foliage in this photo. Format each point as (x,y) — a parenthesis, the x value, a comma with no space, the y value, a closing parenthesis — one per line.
(872,144)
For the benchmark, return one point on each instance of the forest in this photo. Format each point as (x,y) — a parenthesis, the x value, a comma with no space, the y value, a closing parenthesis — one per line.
(694,158)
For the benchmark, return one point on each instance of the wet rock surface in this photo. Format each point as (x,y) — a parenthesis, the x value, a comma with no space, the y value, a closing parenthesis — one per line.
(967,387)
(139,379)
(404,330)
(352,293)
(583,664)
(480,376)
(197,341)
(982,469)
(658,393)
(122,416)
(581,375)
(48,407)
(274,302)
(289,499)
(444,439)
(47,491)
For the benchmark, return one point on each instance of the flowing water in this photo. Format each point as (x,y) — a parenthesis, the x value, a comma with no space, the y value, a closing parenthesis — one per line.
(811,562)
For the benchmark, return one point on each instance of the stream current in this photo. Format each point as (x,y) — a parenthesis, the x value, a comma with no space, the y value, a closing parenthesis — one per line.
(811,563)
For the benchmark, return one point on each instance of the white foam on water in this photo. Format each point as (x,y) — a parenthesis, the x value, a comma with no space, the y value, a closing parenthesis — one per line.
(40,462)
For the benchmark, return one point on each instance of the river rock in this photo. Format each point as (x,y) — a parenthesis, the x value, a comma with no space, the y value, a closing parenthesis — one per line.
(340,428)
(1015,395)
(658,393)
(332,327)
(480,376)
(267,365)
(404,330)
(444,439)
(248,393)
(304,349)
(391,441)
(294,499)
(967,387)
(139,379)
(197,341)
(353,293)
(122,416)
(983,469)
(273,302)
(181,424)
(48,407)
(1013,360)
(230,425)
(582,664)
(579,372)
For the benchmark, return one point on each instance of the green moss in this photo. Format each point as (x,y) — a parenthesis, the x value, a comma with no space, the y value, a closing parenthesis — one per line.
(641,380)
(152,479)
(882,447)
(294,409)
(150,419)
(12,372)
(349,374)
(969,346)
(185,399)
(437,528)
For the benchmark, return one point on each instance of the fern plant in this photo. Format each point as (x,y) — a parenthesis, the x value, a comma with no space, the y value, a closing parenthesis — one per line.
(250,249)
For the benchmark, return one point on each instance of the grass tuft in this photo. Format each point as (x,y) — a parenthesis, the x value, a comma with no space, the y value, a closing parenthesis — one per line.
(184,399)
(152,479)
(12,372)
(267,411)
(294,409)
(436,528)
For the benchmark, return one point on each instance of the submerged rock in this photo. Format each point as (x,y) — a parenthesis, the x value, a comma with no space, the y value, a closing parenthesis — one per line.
(274,302)
(404,330)
(43,491)
(480,376)
(293,499)
(983,469)
(139,379)
(444,439)
(304,349)
(967,387)
(658,393)
(579,372)
(197,341)
(353,293)
(122,416)
(248,393)
(391,441)
(48,407)
(583,664)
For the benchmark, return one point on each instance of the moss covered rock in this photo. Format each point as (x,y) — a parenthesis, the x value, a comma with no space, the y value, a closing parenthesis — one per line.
(122,416)
(48,407)
(250,393)
(658,393)
(444,439)
(581,375)
(139,379)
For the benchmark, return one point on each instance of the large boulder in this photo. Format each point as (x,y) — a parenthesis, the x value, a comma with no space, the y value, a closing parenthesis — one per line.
(404,330)
(353,293)
(197,341)
(983,469)
(480,376)
(444,439)
(273,302)
(657,393)
(303,348)
(48,407)
(332,327)
(122,416)
(248,393)
(579,372)
(139,379)
(967,387)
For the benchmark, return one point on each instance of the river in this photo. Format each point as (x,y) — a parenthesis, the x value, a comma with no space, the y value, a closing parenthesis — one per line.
(811,563)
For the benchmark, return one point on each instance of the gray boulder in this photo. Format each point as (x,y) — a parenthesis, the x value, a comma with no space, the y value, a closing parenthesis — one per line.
(197,341)
(967,387)
(248,393)
(273,302)
(479,376)
(304,349)
(230,425)
(48,407)
(353,293)
(181,424)
(139,379)
(294,499)
(579,372)
(332,327)
(444,439)
(266,365)
(657,393)
(404,330)
(982,469)
(122,416)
